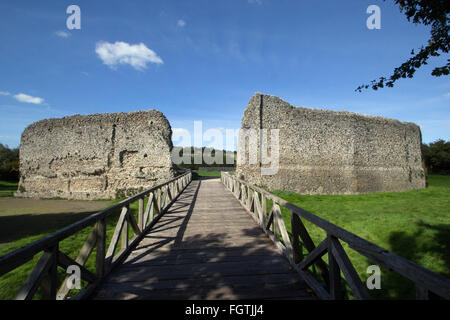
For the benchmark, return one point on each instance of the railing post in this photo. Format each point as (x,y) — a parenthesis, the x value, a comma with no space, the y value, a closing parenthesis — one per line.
(276,229)
(50,281)
(100,228)
(249,198)
(336,290)
(124,232)
(422,293)
(297,254)
(141,214)
(264,209)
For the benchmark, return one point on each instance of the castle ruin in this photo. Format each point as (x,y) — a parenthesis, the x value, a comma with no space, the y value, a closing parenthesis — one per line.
(329,152)
(99,156)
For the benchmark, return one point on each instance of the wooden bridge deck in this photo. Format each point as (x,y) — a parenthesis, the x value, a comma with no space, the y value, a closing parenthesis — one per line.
(205,247)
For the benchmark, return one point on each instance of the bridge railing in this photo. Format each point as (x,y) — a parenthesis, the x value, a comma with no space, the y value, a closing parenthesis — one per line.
(45,274)
(254,200)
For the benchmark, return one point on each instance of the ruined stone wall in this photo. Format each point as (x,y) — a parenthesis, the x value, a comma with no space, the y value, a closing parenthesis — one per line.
(329,152)
(100,156)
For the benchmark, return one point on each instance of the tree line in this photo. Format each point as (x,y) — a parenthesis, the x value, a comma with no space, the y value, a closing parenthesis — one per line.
(191,152)
(436,156)
(9,163)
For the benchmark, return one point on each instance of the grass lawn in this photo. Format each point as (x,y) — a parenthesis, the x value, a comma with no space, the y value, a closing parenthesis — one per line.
(414,224)
(32,227)
(7,188)
(198,174)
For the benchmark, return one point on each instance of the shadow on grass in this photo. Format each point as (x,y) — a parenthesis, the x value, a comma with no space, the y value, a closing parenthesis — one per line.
(413,248)
(16,227)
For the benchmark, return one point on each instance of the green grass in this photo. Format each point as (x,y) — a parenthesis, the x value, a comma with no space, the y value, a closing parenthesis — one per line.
(414,224)
(10,283)
(198,174)
(7,188)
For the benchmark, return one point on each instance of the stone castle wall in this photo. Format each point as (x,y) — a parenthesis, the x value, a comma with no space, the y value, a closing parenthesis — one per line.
(329,152)
(100,156)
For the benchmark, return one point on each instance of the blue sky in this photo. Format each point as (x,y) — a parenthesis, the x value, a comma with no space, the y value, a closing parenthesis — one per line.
(203,60)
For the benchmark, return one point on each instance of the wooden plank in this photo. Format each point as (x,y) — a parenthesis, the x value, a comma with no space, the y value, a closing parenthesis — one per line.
(270,220)
(65,261)
(141,213)
(86,291)
(209,247)
(275,225)
(100,228)
(168,258)
(81,260)
(250,199)
(310,246)
(50,279)
(158,204)
(258,209)
(315,285)
(350,274)
(422,293)
(148,214)
(33,281)
(169,194)
(264,209)
(336,289)
(87,247)
(314,255)
(115,238)
(20,256)
(257,280)
(140,272)
(165,198)
(124,234)
(114,261)
(434,282)
(297,251)
(134,224)
(236,292)
(283,231)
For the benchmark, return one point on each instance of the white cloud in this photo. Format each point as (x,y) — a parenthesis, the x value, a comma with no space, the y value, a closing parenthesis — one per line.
(62,34)
(181,23)
(136,55)
(4,93)
(21,97)
(447,95)
(255,1)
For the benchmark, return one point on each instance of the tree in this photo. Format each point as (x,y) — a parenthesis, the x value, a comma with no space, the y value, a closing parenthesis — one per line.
(437,156)
(9,163)
(428,12)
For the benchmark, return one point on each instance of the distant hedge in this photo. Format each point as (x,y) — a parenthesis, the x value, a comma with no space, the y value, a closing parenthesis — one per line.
(191,151)
(9,163)
(437,156)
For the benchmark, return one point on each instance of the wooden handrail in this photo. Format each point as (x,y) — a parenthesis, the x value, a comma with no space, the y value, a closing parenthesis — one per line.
(44,274)
(426,281)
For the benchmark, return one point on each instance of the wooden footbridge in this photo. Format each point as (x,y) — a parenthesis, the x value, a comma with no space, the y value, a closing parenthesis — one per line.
(207,239)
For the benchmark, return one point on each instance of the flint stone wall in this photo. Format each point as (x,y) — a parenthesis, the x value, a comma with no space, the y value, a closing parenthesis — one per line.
(99,156)
(329,152)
